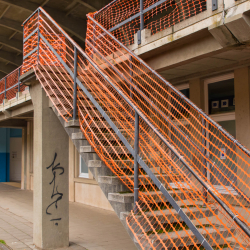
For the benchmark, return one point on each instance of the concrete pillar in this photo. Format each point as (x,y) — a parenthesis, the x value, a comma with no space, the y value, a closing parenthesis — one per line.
(72,164)
(242,105)
(29,168)
(242,118)
(196,91)
(24,159)
(51,178)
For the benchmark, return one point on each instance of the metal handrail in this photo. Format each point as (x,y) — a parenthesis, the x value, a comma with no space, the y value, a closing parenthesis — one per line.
(17,84)
(142,116)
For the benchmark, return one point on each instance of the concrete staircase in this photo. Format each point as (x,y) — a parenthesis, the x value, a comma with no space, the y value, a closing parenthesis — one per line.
(122,200)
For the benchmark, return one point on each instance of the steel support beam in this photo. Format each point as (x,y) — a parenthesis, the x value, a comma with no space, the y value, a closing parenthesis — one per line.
(11,57)
(136,166)
(13,43)
(75,26)
(11,24)
(6,68)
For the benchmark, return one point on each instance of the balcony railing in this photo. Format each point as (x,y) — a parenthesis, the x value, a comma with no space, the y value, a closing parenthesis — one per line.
(10,85)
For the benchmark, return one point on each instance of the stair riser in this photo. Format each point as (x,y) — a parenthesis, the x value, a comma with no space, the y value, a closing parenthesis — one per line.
(158,223)
(217,238)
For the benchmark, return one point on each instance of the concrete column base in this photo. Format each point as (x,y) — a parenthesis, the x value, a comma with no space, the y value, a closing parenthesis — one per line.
(51,177)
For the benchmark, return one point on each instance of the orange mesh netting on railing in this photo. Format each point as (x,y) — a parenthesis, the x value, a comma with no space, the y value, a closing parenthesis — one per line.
(178,143)
(163,16)
(11,81)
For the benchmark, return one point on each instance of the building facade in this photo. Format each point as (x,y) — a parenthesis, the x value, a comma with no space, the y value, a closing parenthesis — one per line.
(205,55)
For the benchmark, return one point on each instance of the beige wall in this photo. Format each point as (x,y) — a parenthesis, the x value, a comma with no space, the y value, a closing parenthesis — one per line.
(84,190)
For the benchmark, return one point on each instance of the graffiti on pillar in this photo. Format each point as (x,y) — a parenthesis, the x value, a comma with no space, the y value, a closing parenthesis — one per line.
(56,196)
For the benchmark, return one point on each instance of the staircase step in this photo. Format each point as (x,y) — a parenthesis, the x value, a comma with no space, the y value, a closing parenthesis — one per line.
(78,136)
(87,149)
(72,124)
(118,150)
(172,238)
(159,218)
(143,178)
(120,164)
(156,195)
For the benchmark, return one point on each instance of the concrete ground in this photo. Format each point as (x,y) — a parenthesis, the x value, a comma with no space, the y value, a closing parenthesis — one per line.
(90,228)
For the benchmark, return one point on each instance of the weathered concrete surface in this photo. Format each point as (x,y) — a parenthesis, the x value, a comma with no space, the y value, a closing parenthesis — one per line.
(90,228)
(51,188)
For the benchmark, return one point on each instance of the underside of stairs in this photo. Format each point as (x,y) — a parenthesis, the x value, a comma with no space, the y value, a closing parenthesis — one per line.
(118,195)
(122,200)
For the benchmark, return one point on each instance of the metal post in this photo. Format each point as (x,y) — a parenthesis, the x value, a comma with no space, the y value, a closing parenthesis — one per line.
(131,75)
(18,80)
(136,168)
(75,84)
(204,152)
(5,85)
(141,22)
(38,36)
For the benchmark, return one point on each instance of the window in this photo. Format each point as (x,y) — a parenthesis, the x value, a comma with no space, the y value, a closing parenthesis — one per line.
(83,169)
(219,95)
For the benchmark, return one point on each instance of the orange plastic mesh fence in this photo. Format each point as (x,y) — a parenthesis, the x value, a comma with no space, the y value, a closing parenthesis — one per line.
(198,141)
(161,17)
(11,81)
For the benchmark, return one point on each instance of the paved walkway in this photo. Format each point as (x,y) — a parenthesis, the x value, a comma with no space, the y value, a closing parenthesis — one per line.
(90,228)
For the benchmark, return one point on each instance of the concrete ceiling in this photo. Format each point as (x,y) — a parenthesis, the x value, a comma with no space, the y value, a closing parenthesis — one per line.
(70,14)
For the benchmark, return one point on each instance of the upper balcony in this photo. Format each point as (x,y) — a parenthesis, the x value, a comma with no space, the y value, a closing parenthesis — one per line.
(182,39)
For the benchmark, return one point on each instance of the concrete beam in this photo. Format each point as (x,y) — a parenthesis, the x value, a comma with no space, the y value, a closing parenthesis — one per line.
(13,123)
(239,25)
(11,24)
(75,26)
(210,72)
(222,35)
(13,43)
(184,51)
(51,169)
(6,68)
(11,57)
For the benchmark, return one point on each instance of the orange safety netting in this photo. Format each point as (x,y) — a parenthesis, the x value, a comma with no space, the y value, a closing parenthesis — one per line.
(161,17)
(11,81)
(176,140)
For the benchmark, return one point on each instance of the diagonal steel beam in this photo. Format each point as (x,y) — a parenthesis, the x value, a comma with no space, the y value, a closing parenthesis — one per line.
(6,68)
(11,24)
(2,75)
(88,5)
(5,10)
(11,57)
(75,26)
(13,43)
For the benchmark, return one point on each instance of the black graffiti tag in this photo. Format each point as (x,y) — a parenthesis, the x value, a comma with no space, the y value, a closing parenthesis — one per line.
(55,193)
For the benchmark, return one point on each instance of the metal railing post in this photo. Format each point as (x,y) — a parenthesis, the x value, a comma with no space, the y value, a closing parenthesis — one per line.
(141,22)
(131,76)
(204,152)
(5,85)
(75,84)
(18,90)
(38,36)
(136,168)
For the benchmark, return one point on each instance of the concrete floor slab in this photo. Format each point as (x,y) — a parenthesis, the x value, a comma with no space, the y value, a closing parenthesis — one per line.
(89,227)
